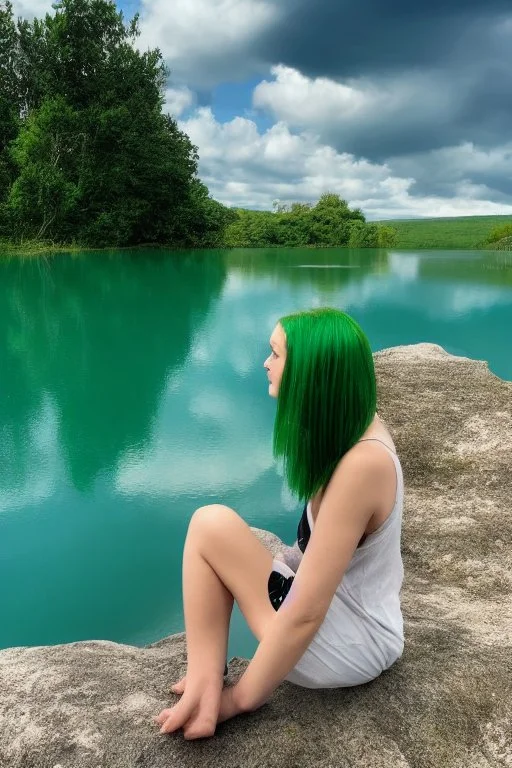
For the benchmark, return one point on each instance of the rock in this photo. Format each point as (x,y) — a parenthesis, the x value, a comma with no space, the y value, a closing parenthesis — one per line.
(446,704)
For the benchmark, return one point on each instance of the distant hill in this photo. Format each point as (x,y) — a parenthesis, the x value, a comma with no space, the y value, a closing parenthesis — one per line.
(463,232)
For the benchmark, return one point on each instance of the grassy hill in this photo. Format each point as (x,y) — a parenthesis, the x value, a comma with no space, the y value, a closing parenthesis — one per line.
(461,232)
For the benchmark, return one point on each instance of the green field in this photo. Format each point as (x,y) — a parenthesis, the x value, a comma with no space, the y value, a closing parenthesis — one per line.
(464,232)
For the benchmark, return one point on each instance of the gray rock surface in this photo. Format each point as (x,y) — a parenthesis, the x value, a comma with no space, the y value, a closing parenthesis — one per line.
(446,704)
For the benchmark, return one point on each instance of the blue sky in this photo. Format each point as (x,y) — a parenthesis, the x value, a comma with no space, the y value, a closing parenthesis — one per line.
(403,109)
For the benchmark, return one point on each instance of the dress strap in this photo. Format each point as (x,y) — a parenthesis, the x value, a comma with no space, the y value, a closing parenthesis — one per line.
(366,439)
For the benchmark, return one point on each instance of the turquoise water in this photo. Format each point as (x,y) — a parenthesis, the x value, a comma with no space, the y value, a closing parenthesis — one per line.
(132,391)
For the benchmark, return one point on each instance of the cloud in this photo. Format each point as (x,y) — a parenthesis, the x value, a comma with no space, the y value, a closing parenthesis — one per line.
(373,118)
(30,8)
(366,37)
(206,41)
(178,100)
(371,78)
(404,108)
(487,172)
(245,167)
(430,74)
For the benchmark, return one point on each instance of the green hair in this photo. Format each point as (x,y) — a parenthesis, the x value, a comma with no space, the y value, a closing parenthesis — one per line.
(327,396)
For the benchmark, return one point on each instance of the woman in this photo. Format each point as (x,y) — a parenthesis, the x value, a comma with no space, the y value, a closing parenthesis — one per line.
(334,619)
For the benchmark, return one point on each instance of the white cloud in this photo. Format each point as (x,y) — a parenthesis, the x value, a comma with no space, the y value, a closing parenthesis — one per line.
(408,206)
(244,167)
(178,100)
(470,169)
(30,8)
(327,106)
(205,41)
(386,115)
(467,157)
(301,100)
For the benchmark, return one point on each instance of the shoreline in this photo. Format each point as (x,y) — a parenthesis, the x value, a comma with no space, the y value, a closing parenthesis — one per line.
(9,251)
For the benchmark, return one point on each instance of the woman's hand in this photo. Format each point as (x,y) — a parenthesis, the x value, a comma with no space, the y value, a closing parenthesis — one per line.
(196,712)
(229,704)
(199,711)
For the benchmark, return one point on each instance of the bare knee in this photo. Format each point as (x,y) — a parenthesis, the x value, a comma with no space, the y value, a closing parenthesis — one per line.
(212,518)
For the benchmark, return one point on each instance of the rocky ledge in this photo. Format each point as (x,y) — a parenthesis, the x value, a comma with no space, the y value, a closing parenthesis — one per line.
(446,704)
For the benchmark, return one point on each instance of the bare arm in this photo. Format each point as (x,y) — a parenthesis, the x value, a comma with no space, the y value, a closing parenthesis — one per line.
(345,511)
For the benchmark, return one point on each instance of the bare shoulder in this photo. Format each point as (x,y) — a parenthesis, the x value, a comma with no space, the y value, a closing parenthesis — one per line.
(365,459)
(364,469)
(365,474)
(374,477)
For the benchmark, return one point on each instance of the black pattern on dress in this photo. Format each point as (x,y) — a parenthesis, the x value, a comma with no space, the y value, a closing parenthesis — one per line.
(279,585)
(303,531)
(278,588)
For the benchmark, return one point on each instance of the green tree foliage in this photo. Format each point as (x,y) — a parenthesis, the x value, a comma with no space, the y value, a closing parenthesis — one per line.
(9,101)
(46,191)
(387,236)
(328,223)
(211,218)
(500,232)
(332,221)
(364,235)
(504,244)
(95,160)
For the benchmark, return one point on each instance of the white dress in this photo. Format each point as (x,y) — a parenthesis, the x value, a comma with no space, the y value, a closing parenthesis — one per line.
(362,632)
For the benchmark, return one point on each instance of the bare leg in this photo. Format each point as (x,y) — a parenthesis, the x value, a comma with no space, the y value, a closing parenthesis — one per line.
(208,605)
(222,558)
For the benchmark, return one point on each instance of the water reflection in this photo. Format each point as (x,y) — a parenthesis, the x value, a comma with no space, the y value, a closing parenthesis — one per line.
(492,268)
(132,390)
(324,270)
(97,337)
(38,443)
(399,297)
(87,348)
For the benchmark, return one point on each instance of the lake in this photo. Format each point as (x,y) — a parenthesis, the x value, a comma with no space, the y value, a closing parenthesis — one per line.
(132,391)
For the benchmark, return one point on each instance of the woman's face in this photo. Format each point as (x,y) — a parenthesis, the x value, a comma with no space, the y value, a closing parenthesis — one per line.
(274,364)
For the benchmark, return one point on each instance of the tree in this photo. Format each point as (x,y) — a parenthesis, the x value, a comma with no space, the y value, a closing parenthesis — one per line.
(332,220)
(505,244)
(367,235)
(9,90)
(362,235)
(96,161)
(44,193)
(9,100)
(211,218)
(499,232)
(387,236)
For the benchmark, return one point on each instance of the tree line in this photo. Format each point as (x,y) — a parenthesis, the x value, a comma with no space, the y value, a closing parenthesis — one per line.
(330,222)
(88,157)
